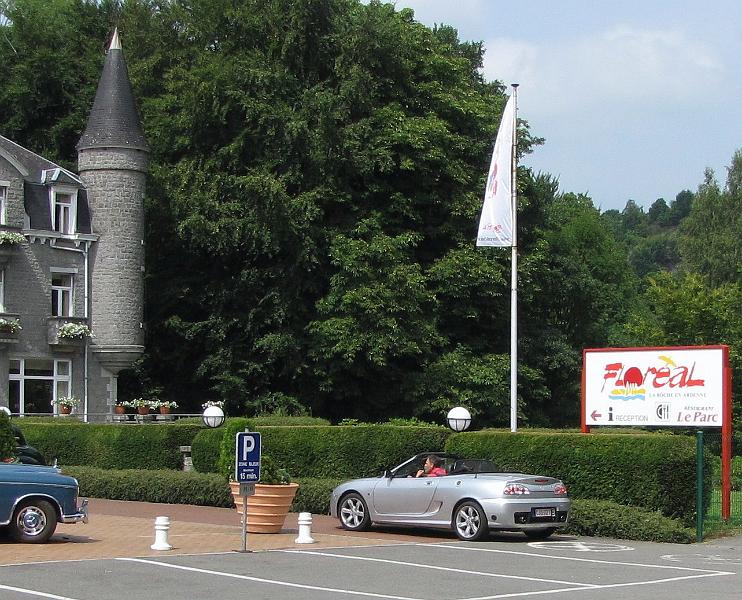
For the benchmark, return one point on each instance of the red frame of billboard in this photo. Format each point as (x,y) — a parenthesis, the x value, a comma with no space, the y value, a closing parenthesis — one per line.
(726,415)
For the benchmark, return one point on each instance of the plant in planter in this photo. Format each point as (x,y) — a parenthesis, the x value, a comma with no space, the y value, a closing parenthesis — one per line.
(65,404)
(268,507)
(10,325)
(141,405)
(165,406)
(11,238)
(73,331)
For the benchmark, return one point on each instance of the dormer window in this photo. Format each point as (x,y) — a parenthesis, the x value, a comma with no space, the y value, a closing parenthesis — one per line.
(63,210)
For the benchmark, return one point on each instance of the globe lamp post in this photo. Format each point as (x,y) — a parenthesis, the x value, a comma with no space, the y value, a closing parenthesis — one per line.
(213,416)
(458,418)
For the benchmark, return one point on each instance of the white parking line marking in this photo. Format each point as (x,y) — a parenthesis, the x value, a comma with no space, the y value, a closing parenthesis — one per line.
(599,587)
(576,559)
(436,568)
(580,546)
(262,580)
(34,593)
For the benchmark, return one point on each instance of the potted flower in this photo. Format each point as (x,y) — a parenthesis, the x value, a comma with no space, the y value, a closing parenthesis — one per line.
(65,404)
(141,405)
(268,507)
(208,403)
(120,408)
(165,406)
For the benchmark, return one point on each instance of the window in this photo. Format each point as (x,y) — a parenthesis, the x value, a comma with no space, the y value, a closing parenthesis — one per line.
(36,382)
(3,201)
(63,210)
(62,294)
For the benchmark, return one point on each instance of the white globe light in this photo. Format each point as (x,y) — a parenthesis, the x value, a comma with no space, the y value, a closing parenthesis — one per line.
(459,418)
(213,416)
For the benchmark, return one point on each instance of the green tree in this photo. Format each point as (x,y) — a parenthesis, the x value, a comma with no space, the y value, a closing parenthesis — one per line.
(710,235)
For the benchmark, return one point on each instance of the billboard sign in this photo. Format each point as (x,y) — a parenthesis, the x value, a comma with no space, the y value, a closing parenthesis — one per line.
(658,387)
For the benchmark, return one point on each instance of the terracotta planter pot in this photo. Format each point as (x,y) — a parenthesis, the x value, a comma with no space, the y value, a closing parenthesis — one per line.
(267,509)
(119,410)
(64,409)
(164,410)
(143,410)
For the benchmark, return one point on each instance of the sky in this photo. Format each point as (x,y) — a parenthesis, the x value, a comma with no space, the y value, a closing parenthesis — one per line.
(635,99)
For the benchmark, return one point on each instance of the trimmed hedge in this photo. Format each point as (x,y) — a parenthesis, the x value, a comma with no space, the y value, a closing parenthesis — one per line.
(112,446)
(653,471)
(603,518)
(337,451)
(171,487)
(313,495)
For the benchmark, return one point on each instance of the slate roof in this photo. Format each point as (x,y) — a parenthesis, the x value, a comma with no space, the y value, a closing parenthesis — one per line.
(37,166)
(114,121)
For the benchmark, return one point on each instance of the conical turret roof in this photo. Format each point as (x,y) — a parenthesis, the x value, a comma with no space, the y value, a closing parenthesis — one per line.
(114,121)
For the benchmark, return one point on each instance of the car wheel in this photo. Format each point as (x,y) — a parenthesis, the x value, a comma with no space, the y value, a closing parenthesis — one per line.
(470,522)
(539,534)
(34,522)
(353,513)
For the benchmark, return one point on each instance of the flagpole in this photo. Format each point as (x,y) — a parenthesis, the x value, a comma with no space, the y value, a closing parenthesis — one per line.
(514,274)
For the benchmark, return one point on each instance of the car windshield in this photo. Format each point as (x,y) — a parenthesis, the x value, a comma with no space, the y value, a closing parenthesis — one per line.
(453,465)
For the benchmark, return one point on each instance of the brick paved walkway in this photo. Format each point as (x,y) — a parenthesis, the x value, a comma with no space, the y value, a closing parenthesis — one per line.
(126,529)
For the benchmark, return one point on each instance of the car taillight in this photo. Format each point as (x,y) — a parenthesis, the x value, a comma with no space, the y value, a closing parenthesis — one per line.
(560,489)
(515,489)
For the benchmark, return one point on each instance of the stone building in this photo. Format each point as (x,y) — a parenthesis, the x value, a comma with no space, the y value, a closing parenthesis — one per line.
(72,260)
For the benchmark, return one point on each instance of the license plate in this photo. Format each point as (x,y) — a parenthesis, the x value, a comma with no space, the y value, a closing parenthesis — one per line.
(544,512)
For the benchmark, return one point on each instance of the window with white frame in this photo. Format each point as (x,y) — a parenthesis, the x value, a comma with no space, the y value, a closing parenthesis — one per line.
(2,290)
(35,383)
(4,185)
(63,210)
(62,294)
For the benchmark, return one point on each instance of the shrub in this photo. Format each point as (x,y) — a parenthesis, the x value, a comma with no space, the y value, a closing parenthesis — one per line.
(205,450)
(603,518)
(655,471)
(173,487)
(112,446)
(313,495)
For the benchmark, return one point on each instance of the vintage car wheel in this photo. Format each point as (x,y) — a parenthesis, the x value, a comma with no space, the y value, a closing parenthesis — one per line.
(470,522)
(34,522)
(539,534)
(354,513)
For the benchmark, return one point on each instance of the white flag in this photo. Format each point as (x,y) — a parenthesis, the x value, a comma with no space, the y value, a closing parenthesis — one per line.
(496,222)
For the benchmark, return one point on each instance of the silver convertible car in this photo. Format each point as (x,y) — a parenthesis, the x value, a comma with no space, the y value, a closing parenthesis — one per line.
(472,498)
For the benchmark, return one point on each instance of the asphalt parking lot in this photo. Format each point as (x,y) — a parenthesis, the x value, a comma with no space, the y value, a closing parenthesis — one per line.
(384,564)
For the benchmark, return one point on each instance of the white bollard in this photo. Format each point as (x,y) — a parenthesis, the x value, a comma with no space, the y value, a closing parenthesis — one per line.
(305,529)
(162,526)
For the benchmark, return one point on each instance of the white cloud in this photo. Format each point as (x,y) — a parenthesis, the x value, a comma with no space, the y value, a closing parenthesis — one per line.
(620,66)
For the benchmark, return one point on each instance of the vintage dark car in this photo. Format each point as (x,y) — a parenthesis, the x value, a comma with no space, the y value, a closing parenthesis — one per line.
(25,453)
(34,498)
(471,497)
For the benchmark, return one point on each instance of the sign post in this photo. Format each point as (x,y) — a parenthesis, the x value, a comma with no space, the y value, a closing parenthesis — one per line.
(247,471)
(679,386)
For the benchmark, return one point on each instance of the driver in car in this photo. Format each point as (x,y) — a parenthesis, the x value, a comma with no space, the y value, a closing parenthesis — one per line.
(433,467)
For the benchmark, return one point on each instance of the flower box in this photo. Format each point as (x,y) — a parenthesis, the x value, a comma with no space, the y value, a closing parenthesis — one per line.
(10,327)
(57,327)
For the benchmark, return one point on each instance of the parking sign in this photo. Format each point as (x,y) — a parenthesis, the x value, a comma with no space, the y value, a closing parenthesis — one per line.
(247,457)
